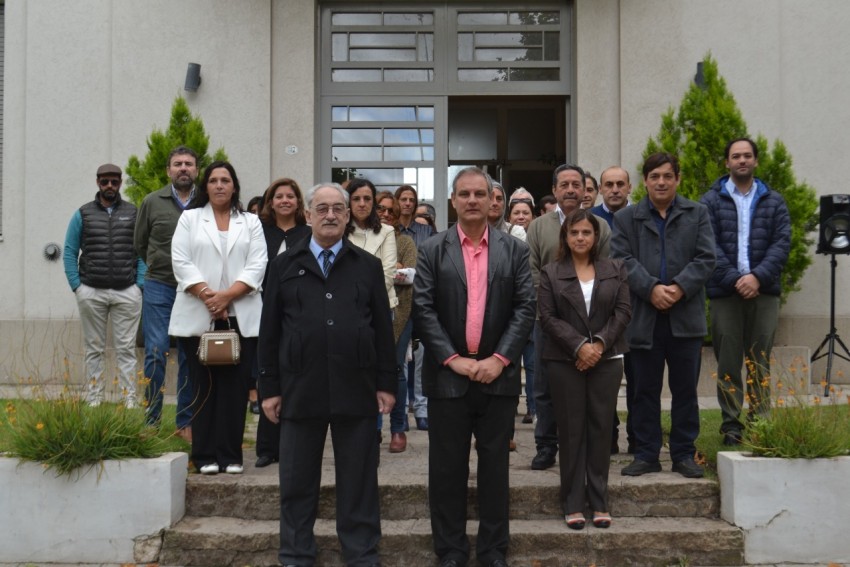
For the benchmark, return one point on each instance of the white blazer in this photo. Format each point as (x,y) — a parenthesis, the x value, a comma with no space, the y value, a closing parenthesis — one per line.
(196,256)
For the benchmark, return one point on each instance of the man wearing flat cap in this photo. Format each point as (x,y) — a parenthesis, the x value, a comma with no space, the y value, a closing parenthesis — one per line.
(106,275)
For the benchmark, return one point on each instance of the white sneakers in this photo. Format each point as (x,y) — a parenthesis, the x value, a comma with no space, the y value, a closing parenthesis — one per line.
(214,469)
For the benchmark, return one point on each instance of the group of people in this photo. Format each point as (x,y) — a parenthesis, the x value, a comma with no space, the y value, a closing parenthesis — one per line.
(328,288)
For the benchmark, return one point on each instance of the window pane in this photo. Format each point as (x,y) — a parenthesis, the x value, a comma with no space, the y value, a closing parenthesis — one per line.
(427,135)
(339,114)
(464,47)
(356,136)
(473,134)
(534,18)
(356,153)
(482,18)
(508,39)
(535,74)
(426,114)
(551,46)
(403,154)
(383,113)
(482,75)
(414,19)
(352,19)
(383,55)
(401,136)
(425,47)
(428,153)
(383,176)
(408,75)
(383,39)
(356,76)
(339,49)
(530,54)
(531,133)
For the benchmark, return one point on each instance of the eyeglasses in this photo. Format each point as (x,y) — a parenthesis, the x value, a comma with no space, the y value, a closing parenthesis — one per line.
(323,210)
(522,200)
(106,182)
(381,209)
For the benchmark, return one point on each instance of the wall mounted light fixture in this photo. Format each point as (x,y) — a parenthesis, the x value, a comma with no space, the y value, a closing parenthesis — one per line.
(193,77)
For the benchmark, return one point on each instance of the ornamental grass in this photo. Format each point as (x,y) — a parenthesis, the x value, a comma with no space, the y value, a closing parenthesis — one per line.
(785,421)
(67,435)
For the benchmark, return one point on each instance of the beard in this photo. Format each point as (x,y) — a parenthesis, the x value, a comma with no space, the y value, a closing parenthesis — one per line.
(108,195)
(183,183)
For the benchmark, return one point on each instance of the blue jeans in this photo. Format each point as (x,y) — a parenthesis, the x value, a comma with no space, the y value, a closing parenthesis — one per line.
(398,416)
(157,301)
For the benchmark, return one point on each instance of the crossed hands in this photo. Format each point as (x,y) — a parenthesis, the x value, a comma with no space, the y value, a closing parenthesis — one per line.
(665,296)
(484,371)
(748,286)
(588,355)
(216,302)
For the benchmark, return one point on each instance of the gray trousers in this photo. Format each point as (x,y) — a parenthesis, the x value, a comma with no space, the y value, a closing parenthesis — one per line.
(743,329)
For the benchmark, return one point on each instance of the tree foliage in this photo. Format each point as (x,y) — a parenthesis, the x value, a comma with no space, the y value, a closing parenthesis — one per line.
(148,175)
(707,119)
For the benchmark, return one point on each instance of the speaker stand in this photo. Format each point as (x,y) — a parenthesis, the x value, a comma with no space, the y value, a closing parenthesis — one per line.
(831,337)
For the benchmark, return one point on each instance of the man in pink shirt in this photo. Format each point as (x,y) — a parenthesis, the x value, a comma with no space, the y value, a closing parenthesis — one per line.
(473,309)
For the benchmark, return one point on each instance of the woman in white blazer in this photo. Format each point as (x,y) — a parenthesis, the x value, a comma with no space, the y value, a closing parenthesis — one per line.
(219,259)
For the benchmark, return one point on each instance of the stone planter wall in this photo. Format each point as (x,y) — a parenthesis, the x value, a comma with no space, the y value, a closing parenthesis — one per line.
(791,510)
(86,519)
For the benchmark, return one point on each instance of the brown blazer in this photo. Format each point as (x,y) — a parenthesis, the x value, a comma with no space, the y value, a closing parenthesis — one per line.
(563,315)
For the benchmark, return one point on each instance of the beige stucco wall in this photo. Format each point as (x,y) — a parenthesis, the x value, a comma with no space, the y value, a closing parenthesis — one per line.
(85,83)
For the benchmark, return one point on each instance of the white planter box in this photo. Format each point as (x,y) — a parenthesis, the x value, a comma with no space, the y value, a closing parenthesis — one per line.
(83,518)
(791,510)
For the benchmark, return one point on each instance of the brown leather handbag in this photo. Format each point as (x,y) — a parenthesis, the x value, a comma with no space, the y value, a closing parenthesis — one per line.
(219,348)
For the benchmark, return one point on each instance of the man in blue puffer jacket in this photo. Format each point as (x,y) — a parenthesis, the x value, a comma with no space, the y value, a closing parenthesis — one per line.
(752,230)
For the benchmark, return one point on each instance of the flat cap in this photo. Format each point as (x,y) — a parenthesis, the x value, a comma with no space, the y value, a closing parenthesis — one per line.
(108,169)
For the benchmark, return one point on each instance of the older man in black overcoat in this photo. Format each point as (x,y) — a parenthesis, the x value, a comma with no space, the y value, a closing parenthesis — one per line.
(327,359)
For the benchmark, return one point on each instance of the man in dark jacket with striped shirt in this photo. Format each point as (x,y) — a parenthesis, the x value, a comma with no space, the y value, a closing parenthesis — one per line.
(752,231)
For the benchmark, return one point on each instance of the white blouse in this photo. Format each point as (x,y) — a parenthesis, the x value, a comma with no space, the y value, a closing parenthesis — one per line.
(382,246)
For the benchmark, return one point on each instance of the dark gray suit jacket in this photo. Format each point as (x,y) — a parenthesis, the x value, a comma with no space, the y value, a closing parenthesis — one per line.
(439,311)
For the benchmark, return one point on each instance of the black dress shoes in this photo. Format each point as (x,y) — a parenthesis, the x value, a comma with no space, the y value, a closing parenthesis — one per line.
(638,468)
(731,438)
(450,563)
(498,563)
(544,459)
(265,460)
(688,468)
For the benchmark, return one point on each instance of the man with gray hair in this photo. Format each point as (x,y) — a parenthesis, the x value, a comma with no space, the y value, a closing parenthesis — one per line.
(327,359)
(473,308)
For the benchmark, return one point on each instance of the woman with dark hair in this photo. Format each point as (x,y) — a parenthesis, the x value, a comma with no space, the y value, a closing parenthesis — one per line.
(584,309)
(254,205)
(366,231)
(219,259)
(284,224)
(389,210)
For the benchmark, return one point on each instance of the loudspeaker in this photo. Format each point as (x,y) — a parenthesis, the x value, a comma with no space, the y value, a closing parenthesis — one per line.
(193,77)
(834,224)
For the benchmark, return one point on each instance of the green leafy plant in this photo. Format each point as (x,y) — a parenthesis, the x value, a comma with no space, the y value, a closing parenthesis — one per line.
(796,425)
(697,133)
(148,175)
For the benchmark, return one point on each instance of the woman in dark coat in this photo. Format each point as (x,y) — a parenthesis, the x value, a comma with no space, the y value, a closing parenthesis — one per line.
(584,310)
(284,224)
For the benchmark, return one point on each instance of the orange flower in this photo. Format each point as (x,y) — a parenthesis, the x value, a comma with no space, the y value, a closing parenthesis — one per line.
(39,426)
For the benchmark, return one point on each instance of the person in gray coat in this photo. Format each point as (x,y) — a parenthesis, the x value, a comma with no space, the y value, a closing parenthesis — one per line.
(667,245)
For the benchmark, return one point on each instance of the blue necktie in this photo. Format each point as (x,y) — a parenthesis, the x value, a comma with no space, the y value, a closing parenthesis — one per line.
(326,261)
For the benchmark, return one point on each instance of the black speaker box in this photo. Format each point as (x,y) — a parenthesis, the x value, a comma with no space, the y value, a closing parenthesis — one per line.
(834,224)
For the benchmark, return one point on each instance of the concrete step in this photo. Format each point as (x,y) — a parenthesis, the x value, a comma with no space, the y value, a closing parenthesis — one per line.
(220,541)
(534,495)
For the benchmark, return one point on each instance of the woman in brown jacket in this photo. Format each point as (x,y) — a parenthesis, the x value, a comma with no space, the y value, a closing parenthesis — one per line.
(584,309)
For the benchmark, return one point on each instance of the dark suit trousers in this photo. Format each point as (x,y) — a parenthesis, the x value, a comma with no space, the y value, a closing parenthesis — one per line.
(452,423)
(546,429)
(220,396)
(682,356)
(268,434)
(584,403)
(358,520)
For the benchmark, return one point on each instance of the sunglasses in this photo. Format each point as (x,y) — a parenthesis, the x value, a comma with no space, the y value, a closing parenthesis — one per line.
(106,182)
(518,200)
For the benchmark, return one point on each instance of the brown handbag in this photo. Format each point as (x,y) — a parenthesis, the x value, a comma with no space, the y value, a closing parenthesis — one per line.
(219,348)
